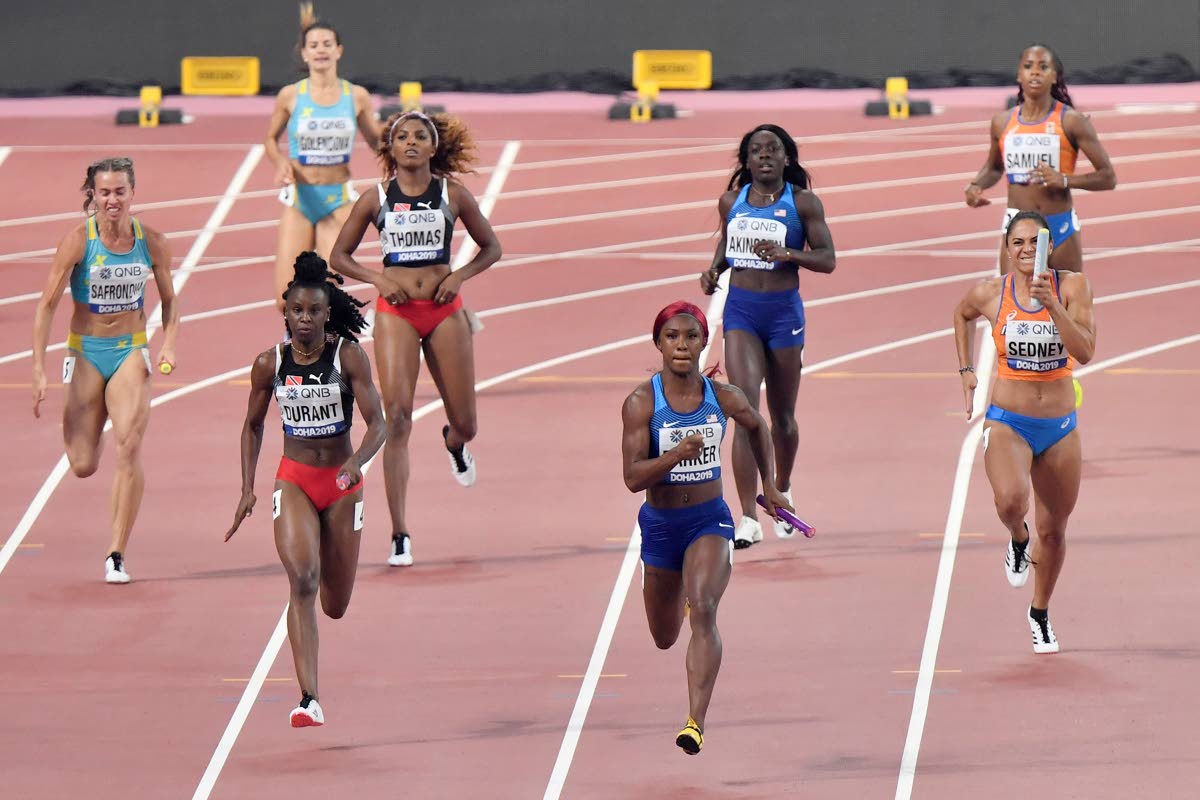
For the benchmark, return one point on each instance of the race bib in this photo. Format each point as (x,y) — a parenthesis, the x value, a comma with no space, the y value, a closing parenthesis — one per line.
(312,410)
(413,235)
(742,233)
(1024,152)
(1033,346)
(704,467)
(324,140)
(116,288)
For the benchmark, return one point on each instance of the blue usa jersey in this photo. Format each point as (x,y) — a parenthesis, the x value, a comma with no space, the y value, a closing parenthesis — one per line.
(668,428)
(748,225)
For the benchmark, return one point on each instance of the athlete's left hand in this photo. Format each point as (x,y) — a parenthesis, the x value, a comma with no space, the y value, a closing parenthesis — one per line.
(350,470)
(769,251)
(166,356)
(1042,288)
(1046,176)
(775,499)
(448,289)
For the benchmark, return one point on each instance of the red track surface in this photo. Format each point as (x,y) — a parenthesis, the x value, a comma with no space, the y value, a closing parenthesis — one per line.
(448,678)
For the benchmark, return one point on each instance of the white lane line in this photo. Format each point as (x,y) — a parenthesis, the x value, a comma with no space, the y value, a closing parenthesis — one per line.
(5,152)
(152,325)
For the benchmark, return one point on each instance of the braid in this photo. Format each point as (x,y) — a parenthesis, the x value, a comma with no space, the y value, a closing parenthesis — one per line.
(345,319)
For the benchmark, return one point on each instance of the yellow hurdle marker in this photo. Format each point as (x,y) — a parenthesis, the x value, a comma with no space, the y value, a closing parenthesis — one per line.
(662,69)
(410,95)
(896,93)
(643,109)
(150,100)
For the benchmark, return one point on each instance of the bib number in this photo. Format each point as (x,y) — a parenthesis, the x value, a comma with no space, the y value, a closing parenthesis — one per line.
(743,234)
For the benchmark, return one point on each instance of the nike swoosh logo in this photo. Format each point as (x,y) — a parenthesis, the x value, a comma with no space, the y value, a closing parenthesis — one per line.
(742,214)
(796,331)
(723,525)
(670,424)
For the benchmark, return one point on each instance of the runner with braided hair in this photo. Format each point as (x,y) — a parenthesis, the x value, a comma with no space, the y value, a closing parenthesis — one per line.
(317,504)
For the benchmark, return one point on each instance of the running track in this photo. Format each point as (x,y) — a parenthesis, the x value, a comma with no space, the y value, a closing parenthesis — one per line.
(461,674)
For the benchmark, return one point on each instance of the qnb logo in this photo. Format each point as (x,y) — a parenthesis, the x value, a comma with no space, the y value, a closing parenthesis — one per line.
(676,436)
(1017,140)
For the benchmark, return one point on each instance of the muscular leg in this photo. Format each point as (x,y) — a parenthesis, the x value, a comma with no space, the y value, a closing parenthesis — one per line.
(1007,458)
(746,362)
(298,540)
(84,414)
(339,554)
(783,386)
(397,353)
(706,571)
(128,399)
(662,594)
(1055,474)
(450,354)
(328,228)
(295,236)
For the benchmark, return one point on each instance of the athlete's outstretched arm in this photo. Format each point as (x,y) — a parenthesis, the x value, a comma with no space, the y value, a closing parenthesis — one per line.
(708,278)
(1073,315)
(160,256)
(69,253)
(969,309)
(368,125)
(280,116)
(737,408)
(641,471)
(262,379)
(1103,177)
(992,169)
(357,368)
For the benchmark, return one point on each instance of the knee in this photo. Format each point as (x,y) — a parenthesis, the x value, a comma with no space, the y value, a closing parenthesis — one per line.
(305,584)
(128,450)
(784,426)
(1053,534)
(466,428)
(703,614)
(399,423)
(663,640)
(83,465)
(1012,505)
(334,609)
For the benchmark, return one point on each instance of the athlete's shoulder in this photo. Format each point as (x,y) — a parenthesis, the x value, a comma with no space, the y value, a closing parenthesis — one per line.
(1074,283)
(641,399)
(288,93)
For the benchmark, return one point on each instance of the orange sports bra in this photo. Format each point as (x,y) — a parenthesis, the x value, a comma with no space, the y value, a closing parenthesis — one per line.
(1026,145)
(1028,347)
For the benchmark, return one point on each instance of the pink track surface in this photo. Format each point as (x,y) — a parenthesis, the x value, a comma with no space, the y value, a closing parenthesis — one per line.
(457,677)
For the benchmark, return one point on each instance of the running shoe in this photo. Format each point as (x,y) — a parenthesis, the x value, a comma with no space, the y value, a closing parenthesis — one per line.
(1044,640)
(401,555)
(691,738)
(1016,561)
(308,714)
(114,569)
(748,532)
(462,463)
(782,529)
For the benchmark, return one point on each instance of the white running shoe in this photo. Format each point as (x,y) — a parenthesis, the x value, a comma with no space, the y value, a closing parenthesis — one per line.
(1016,562)
(748,532)
(114,569)
(782,529)
(308,714)
(462,463)
(401,550)
(1044,640)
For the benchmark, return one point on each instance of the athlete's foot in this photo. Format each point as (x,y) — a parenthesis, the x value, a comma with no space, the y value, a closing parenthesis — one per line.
(114,569)
(401,555)
(308,714)
(1016,561)
(782,529)
(462,463)
(748,532)
(691,738)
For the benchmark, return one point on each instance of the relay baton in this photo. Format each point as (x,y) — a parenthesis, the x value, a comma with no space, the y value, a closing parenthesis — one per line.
(1039,260)
(791,519)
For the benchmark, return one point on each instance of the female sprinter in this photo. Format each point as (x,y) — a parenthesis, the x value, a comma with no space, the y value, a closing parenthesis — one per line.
(108,259)
(1030,434)
(769,217)
(419,306)
(317,504)
(671,448)
(1035,145)
(319,114)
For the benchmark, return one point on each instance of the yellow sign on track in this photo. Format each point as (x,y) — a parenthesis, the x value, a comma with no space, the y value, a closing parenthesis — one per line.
(220,75)
(672,69)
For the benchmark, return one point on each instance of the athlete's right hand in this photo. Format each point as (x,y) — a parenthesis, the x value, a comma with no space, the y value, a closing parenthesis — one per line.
(390,291)
(245,508)
(969,382)
(708,281)
(39,390)
(975,198)
(285,174)
(689,448)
